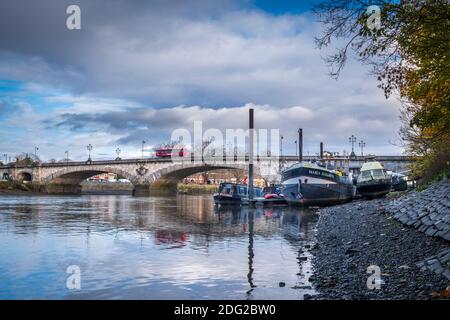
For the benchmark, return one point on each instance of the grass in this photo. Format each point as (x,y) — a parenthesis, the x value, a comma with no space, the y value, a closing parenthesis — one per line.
(197,188)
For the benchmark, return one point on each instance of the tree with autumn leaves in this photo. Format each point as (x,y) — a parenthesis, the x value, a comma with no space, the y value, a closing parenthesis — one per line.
(409,54)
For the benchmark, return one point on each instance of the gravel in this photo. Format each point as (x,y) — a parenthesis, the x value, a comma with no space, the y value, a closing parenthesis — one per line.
(354,236)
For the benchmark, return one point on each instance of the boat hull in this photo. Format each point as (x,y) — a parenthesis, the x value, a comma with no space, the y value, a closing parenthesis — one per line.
(271,201)
(318,194)
(227,199)
(400,186)
(374,189)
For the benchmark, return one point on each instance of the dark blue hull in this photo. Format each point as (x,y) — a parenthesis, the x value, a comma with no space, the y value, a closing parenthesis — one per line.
(228,200)
(318,194)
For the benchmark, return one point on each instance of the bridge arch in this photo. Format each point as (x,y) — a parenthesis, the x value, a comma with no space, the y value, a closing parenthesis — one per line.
(24,176)
(77,175)
(178,172)
(165,180)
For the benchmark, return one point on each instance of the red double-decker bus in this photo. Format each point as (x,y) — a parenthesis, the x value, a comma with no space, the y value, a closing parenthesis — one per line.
(167,152)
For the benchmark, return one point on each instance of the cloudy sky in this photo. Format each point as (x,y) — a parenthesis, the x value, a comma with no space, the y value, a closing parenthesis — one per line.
(137,70)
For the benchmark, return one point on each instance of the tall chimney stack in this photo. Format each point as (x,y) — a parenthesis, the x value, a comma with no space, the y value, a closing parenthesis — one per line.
(300,144)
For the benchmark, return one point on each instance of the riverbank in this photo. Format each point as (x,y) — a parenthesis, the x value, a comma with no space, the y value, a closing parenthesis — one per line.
(354,236)
(196,189)
(106,188)
(100,188)
(15,188)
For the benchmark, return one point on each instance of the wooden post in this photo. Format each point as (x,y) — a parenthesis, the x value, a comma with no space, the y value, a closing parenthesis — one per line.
(250,156)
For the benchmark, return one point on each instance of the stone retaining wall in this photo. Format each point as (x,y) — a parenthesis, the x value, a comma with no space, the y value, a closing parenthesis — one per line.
(427,210)
(439,263)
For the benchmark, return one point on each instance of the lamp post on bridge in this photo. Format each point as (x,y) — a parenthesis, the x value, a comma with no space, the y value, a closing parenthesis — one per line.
(281,145)
(118,154)
(89,147)
(352,140)
(67,156)
(362,144)
(35,152)
(296,151)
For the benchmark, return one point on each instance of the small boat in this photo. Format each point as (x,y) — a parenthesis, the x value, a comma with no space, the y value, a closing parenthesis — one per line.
(272,195)
(399,182)
(373,181)
(235,194)
(310,184)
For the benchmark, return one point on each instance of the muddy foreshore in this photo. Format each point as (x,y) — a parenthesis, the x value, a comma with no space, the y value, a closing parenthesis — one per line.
(354,236)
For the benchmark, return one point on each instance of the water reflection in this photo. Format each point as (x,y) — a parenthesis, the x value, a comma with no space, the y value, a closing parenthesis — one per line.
(152,248)
(250,252)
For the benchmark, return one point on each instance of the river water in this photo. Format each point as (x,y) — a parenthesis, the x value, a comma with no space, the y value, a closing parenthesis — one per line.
(124,247)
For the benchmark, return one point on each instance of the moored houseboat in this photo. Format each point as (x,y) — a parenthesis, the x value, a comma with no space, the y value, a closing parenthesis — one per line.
(309,184)
(234,194)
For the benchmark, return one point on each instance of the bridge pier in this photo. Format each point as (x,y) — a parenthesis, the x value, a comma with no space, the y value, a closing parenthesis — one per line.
(141,190)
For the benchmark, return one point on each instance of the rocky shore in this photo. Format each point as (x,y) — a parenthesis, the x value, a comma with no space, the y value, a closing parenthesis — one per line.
(8,188)
(413,263)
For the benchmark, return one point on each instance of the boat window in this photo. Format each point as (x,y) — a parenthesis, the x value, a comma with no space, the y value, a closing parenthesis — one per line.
(378,173)
(366,174)
(225,188)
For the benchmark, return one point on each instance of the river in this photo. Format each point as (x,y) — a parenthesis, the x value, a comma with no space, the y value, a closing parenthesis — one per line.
(179,247)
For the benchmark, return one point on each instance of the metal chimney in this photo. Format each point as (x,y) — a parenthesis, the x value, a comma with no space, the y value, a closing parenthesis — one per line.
(300,144)
(321,150)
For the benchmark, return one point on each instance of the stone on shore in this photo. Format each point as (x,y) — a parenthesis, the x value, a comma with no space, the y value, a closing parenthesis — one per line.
(406,238)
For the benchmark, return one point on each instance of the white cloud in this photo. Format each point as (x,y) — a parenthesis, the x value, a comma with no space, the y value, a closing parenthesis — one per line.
(147,70)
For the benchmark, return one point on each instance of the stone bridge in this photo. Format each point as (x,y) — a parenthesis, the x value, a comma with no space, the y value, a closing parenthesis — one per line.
(162,174)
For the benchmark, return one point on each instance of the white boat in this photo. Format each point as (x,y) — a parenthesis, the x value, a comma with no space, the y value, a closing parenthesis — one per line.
(373,181)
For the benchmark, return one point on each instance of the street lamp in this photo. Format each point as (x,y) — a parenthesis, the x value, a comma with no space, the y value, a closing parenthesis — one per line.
(67,156)
(35,152)
(143,142)
(362,144)
(118,153)
(296,150)
(352,140)
(281,145)
(89,147)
